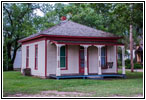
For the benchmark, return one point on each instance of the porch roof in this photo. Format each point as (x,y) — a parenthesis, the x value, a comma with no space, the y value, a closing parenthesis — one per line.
(86,42)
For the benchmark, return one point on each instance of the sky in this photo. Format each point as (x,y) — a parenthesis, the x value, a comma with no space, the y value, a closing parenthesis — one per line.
(40,13)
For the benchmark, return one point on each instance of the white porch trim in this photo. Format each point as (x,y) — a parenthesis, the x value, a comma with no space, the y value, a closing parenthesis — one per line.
(123,59)
(85,55)
(58,73)
(99,58)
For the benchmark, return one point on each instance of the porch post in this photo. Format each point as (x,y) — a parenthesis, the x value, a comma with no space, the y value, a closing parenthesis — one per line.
(123,59)
(99,58)
(85,59)
(58,59)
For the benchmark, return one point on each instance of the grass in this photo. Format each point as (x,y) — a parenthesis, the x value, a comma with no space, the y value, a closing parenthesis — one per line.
(14,82)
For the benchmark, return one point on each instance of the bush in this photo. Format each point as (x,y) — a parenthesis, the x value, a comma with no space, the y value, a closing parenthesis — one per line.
(136,66)
(128,66)
(119,63)
(127,62)
(120,67)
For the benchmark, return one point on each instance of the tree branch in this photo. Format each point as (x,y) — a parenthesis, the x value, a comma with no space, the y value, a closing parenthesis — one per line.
(9,15)
(24,13)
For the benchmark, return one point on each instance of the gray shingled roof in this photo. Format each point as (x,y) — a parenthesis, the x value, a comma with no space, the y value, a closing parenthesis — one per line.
(69,28)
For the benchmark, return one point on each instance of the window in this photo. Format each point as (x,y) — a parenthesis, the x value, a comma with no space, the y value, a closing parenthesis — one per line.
(63,57)
(27,56)
(36,57)
(103,57)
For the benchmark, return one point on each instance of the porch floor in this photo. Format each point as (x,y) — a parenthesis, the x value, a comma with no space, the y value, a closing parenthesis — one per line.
(90,76)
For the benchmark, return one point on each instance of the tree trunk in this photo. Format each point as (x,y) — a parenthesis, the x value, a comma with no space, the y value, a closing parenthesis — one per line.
(12,55)
(10,63)
(131,48)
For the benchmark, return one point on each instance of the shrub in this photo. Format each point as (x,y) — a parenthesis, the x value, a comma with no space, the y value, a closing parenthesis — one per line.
(136,66)
(128,66)
(127,62)
(120,67)
(119,63)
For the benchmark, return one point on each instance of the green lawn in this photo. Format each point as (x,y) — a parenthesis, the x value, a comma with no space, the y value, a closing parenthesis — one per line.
(14,82)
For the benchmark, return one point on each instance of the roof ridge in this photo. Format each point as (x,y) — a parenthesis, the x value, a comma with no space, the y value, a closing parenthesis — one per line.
(59,24)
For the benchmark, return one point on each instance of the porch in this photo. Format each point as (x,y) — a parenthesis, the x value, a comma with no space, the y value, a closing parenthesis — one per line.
(92,61)
(90,76)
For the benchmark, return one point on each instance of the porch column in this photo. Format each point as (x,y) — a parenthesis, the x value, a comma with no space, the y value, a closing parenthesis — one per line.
(99,58)
(123,59)
(85,59)
(58,59)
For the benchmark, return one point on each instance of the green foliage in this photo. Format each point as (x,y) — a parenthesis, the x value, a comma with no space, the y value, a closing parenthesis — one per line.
(136,66)
(127,61)
(119,62)
(4,61)
(17,24)
(19,20)
(14,83)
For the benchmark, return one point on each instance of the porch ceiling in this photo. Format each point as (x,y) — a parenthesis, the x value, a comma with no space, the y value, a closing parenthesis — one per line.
(86,42)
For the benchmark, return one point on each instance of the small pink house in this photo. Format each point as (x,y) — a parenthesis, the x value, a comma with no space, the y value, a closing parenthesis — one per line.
(70,50)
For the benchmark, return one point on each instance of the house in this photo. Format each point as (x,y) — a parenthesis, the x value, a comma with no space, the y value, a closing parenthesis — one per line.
(139,53)
(71,49)
(127,56)
(17,62)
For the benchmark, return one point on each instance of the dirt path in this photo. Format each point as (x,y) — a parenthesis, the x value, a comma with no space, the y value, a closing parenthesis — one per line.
(64,94)
(136,95)
(53,94)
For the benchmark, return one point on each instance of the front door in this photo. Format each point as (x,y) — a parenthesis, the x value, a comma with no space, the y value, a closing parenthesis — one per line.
(81,60)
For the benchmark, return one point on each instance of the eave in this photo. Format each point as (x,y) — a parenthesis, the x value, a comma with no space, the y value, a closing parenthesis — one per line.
(74,38)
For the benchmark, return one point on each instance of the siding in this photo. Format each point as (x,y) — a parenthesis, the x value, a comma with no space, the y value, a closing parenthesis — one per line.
(41,58)
(51,59)
(73,60)
(111,57)
(93,59)
(17,61)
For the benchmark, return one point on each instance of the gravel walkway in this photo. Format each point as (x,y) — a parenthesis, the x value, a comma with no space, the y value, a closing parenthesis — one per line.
(53,94)
(64,94)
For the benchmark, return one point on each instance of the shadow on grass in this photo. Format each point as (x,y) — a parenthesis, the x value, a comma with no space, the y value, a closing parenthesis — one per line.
(134,75)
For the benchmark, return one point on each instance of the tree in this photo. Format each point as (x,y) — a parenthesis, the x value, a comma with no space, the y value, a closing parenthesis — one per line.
(16,25)
(114,18)
(128,15)
(131,38)
(19,20)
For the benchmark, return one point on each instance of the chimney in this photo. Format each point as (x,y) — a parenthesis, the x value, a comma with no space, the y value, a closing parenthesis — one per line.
(63,18)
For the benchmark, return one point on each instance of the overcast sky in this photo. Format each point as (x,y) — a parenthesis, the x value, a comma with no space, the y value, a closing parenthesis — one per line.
(40,13)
